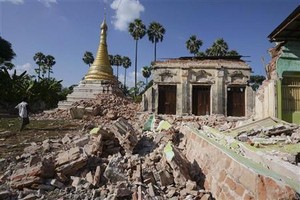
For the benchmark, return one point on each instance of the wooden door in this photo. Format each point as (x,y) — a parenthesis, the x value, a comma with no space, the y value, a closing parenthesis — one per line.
(236,101)
(201,100)
(291,99)
(167,99)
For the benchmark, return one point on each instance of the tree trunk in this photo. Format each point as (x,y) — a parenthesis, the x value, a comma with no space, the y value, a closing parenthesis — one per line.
(154,51)
(117,73)
(125,79)
(135,68)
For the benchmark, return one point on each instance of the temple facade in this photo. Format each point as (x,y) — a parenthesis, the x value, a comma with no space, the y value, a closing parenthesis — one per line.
(200,86)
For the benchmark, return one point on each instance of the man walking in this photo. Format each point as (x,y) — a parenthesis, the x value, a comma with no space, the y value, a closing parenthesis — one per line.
(23,113)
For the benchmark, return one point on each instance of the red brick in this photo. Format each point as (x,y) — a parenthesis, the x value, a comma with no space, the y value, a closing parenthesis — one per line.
(222,176)
(261,188)
(248,197)
(239,190)
(230,183)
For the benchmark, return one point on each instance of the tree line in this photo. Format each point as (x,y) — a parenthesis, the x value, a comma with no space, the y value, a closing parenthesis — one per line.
(47,90)
(42,91)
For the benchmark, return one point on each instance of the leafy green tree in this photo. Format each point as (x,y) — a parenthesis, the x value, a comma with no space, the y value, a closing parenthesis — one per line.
(49,63)
(6,54)
(88,58)
(12,87)
(135,92)
(117,60)
(126,63)
(219,48)
(232,53)
(193,44)
(155,34)
(39,59)
(146,71)
(137,30)
(201,54)
(255,81)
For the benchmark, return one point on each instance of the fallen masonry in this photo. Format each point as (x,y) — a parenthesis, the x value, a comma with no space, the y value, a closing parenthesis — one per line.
(101,165)
(153,157)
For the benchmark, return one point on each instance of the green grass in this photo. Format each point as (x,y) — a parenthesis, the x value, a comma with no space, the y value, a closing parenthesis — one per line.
(13,142)
(13,124)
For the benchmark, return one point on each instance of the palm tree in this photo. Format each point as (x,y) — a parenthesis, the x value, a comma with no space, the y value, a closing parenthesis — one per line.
(117,60)
(232,53)
(49,63)
(39,59)
(146,73)
(88,58)
(126,62)
(111,60)
(156,34)
(137,30)
(219,48)
(193,44)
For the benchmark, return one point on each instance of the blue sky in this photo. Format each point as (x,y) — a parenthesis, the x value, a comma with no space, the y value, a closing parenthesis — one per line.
(68,28)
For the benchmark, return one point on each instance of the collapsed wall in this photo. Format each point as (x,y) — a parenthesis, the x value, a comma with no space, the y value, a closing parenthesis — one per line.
(231,176)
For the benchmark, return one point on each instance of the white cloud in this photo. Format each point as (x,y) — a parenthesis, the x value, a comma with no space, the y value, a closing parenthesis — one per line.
(17,2)
(21,68)
(125,12)
(130,78)
(48,3)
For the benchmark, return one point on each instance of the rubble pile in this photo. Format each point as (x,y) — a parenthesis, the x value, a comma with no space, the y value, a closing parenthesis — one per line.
(279,135)
(115,161)
(104,107)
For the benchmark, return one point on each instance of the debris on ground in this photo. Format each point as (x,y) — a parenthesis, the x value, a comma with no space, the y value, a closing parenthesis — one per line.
(121,155)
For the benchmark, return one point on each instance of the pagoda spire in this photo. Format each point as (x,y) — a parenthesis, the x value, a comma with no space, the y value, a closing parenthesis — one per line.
(101,68)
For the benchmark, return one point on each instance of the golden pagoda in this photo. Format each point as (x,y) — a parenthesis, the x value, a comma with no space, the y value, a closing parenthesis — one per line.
(101,68)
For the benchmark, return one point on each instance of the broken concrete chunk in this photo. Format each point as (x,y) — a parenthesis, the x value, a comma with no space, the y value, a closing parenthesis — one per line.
(89,177)
(178,163)
(97,176)
(115,170)
(76,181)
(165,178)
(57,183)
(80,142)
(68,156)
(77,112)
(66,139)
(125,133)
(95,131)
(163,125)
(148,125)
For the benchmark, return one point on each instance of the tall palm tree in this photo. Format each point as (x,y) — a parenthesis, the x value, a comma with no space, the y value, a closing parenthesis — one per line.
(219,48)
(156,34)
(39,59)
(117,60)
(126,62)
(137,30)
(49,63)
(146,73)
(193,44)
(88,58)
(111,60)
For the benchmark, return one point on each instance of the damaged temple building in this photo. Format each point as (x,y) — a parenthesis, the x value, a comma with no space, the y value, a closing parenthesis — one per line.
(279,96)
(201,86)
(192,137)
